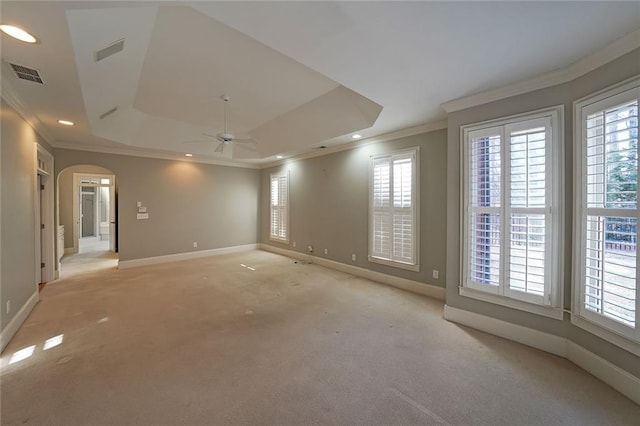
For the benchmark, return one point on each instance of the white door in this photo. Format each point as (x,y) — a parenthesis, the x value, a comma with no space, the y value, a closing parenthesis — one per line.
(112,215)
(39,230)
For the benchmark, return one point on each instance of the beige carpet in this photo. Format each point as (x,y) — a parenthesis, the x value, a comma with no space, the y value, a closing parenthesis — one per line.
(210,341)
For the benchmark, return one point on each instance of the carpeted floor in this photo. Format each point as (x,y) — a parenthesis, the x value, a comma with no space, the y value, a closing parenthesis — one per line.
(253,338)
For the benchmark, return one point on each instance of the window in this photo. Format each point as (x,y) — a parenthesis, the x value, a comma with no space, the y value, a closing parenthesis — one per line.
(280,206)
(512,211)
(393,211)
(607,210)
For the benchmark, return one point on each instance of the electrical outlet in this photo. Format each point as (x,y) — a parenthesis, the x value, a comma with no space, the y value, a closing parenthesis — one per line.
(294,244)
(435,274)
(195,244)
(353,257)
(310,248)
(326,251)
(8,306)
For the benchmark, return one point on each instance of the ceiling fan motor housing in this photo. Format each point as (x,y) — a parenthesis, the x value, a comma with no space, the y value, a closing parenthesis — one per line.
(225,137)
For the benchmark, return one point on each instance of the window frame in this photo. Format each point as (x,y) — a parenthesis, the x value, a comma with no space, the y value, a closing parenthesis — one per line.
(598,324)
(550,304)
(414,154)
(279,175)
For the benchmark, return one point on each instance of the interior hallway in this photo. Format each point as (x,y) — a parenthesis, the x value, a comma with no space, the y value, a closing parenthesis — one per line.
(93,256)
(254,338)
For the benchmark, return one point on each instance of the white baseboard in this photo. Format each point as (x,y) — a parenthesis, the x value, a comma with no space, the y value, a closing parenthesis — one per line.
(126,264)
(619,379)
(12,328)
(70,250)
(527,336)
(403,283)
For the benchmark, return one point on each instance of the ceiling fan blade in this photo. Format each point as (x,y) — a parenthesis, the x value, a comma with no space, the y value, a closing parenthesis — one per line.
(208,135)
(220,148)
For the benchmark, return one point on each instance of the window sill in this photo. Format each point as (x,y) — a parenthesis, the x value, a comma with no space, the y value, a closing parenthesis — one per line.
(279,240)
(393,264)
(546,311)
(610,336)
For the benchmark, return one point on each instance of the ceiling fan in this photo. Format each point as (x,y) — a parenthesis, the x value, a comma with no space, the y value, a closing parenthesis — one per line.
(225,138)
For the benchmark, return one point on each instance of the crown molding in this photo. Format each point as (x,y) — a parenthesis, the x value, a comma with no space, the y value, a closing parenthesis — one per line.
(9,94)
(148,153)
(385,137)
(619,47)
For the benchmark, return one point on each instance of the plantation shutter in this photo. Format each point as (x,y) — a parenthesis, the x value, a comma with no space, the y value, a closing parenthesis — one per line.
(509,201)
(610,213)
(529,208)
(485,199)
(393,207)
(280,206)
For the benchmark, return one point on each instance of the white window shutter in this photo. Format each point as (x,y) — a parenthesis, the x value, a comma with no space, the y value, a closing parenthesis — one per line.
(393,209)
(280,206)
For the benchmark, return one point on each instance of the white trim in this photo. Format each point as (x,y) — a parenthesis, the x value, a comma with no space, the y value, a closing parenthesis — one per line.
(126,264)
(150,153)
(77,193)
(547,311)
(14,325)
(595,323)
(69,250)
(552,118)
(619,379)
(527,336)
(279,175)
(603,333)
(394,264)
(47,244)
(11,97)
(425,289)
(372,140)
(613,51)
(413,154)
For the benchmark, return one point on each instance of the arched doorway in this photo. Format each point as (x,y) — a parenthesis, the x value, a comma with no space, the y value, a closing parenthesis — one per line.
(87,219)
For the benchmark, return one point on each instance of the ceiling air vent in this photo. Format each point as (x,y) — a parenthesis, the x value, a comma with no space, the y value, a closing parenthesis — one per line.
(111,49)
(25,73)
(108,113)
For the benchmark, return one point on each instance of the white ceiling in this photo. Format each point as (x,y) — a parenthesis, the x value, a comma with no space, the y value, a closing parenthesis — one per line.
(299,74)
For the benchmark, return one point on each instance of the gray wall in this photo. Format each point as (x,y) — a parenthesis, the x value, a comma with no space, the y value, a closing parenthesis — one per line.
(18,278)
(329,205)
(216,206)
(623,68)
(66,194)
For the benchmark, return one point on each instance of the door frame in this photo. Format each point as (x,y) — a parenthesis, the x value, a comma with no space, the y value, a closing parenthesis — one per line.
(77,190)
(43,215)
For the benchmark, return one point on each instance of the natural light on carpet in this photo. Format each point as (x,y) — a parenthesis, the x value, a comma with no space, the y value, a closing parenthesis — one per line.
(53,342)
(22,354)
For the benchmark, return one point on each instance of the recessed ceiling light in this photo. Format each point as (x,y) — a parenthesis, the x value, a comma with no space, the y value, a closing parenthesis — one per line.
(18,33)
(188,155)
(279,157)
(66,122)
(356,136)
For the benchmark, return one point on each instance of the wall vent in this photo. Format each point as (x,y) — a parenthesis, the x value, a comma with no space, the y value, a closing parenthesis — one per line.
(28,74)
(108,113)
(112,49)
